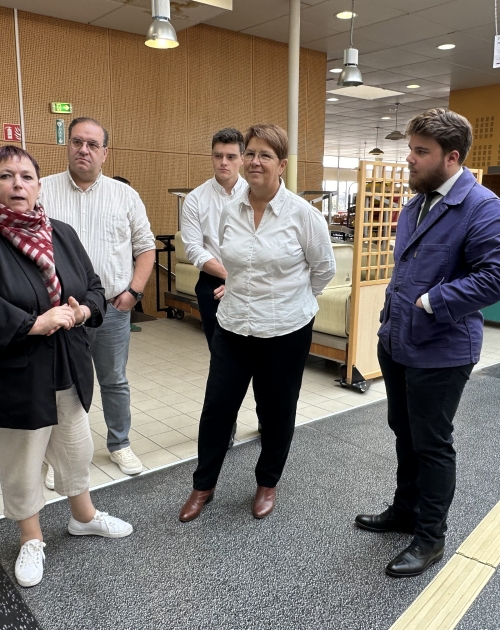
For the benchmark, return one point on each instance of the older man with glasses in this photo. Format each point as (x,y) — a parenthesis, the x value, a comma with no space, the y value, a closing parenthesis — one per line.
(111,221)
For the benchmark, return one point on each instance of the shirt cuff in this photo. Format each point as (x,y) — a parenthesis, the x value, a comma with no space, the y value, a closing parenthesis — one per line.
(426,303)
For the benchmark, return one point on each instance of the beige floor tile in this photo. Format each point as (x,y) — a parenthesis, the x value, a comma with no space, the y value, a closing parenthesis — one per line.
(244,432)
(180,387)
(173,398)
(146,386)
(357,400)
(98,477)
(139,418)
(1,504)
(165,413)
(313,412)
(50,494)
(99,441)
(136,397)
(152,428)
(144,445)
(170,438)
(100,428)
(184,450)
(178,422)
(148,405)
(155,459)
(191,431)
(95,417)
(332,406)
(111,470)
(312,398)
(101,457)
(188,407)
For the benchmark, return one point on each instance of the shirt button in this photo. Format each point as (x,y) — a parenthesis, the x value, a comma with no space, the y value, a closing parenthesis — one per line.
(403,258)
(396,289)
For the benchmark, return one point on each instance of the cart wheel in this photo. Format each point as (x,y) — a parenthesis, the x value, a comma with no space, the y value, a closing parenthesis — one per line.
(170,313)
(179,314)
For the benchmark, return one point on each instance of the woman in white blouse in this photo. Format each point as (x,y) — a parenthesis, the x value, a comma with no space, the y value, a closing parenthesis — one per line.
(278,255)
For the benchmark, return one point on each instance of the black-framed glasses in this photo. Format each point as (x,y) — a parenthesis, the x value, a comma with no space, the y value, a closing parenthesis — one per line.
(262,156)
(92,145)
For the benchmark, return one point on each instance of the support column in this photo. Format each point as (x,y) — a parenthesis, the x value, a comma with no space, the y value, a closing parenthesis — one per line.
(293,94)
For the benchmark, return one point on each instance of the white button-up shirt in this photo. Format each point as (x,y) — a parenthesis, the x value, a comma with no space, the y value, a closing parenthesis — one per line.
(110,220)
(276,270)
(200,219)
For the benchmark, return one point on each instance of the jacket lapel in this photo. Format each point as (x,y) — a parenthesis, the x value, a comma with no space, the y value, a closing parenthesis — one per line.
(33,276)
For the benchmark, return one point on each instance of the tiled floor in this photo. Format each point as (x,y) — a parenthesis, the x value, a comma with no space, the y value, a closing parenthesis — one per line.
(167,371)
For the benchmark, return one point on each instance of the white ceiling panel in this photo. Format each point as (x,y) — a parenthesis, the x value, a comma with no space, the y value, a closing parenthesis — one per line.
(335,45)
(369,12)
(401,30)
(426,69)
(74,10)
(127,18)
(477,60)
(460,14)
(247,14)
(464,41)
(410,6)
(278,30)
(390,58)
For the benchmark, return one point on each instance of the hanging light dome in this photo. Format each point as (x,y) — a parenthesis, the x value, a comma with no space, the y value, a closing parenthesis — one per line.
(161,33)
(376,150)
(395,135)
(351,74)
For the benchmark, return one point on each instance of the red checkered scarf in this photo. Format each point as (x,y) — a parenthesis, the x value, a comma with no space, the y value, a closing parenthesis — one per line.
(31,234)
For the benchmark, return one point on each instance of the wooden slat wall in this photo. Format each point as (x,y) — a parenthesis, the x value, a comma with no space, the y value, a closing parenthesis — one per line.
(161,108)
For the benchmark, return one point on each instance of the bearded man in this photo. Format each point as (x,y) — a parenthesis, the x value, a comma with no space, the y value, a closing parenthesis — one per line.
(447,267)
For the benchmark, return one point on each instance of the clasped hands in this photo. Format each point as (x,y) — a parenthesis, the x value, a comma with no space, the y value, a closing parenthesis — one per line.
(64,316)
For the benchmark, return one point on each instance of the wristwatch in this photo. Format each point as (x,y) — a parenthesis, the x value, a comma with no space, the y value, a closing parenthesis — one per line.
(137,294)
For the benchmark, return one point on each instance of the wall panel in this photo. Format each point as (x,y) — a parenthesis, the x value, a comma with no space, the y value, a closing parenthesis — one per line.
(219,83)
(149,94)
(62,61)
(9,103)
(315,90)
(270,82)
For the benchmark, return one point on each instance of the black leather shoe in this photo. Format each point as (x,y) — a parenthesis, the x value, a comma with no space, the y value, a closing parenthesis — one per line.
(385,522)
(231,439)
(413,561)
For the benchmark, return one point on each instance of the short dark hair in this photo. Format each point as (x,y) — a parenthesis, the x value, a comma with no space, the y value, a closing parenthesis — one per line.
(121,179)
(229,135)
(83,119)
(450,130)
(273,134)
(11,152)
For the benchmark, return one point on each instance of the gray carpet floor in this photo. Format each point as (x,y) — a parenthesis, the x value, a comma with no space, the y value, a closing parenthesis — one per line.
(306,566)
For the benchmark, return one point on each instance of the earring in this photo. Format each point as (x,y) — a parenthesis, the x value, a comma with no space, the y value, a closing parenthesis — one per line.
(38,203)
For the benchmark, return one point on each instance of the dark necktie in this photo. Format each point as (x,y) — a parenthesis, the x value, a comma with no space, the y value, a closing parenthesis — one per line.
(429,197)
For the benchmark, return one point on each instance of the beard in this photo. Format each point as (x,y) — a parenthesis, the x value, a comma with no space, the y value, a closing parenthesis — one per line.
(428,181)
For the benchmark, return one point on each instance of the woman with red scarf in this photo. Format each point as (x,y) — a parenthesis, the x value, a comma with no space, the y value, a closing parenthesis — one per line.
(49,294)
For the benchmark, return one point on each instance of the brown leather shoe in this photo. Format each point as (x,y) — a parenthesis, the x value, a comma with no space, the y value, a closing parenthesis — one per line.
(194,505)
(263,503)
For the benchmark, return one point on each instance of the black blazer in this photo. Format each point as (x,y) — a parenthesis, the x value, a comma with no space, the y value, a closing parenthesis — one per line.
(27,378)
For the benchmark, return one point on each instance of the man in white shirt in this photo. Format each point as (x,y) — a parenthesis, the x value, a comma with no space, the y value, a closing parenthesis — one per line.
(111,221)
(200,224)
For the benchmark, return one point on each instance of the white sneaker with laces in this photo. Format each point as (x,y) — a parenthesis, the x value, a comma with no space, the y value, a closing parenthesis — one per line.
(127,460)
(29,563)
(101,525)
(49,477)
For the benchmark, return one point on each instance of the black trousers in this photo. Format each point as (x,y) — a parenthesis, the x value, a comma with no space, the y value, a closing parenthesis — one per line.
(422,403)
(276,365)
(208,305)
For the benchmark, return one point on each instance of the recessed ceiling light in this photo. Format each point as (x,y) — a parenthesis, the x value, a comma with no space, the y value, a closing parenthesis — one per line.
(332,99)
(446,46)
(345,15)
(336,70)
(385,118)
(413,86)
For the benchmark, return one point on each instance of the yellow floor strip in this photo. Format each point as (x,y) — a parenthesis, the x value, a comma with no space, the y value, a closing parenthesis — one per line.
(448,597)
(484,542)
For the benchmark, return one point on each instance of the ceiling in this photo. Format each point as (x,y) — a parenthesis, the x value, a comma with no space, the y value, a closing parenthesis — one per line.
(397,42)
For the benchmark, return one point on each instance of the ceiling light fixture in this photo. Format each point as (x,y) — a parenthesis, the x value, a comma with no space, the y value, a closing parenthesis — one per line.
(446,46)
(346,15)
(336,70)
(376,150)
(332,99)
(395,135)
(413,86)
(385,118)
(161,33)
(350,74)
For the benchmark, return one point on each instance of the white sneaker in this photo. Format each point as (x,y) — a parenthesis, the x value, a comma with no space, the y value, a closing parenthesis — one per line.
(101,525)
(49,477)
(29,563)
(126,459)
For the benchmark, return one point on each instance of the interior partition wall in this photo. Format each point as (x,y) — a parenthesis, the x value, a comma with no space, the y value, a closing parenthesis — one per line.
(161,107)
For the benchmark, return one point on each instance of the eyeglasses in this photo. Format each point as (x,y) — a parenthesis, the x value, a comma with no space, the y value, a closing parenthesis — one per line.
(263,157)
(77,143)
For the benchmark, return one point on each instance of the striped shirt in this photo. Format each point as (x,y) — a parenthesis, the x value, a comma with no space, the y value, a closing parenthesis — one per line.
(110,219)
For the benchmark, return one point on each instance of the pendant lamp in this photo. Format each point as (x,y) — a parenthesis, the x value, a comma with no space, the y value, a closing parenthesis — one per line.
(161,33)
(395,135)
(376,150)
(350,75)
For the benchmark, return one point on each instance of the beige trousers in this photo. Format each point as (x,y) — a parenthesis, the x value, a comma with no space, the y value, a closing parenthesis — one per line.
(68,446)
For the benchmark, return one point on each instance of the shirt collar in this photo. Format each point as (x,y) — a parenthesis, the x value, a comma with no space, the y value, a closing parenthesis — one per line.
(277,202)
(445,188)
(220,189)
(72,182)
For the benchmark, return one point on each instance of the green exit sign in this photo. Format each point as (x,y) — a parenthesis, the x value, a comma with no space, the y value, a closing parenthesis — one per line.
(61,108)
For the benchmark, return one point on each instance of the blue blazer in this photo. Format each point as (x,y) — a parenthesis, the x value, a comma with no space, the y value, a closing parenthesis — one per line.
(454,256)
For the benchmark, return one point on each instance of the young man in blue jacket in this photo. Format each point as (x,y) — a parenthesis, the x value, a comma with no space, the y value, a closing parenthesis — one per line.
(447,267)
